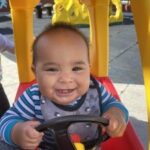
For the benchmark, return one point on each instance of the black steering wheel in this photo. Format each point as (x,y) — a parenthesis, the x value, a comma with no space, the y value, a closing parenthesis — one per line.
(60,125)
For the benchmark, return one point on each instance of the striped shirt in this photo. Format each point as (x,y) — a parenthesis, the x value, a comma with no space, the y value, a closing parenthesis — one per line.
(28,107)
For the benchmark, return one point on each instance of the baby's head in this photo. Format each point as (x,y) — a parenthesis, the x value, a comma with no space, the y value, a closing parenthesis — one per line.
(61,63)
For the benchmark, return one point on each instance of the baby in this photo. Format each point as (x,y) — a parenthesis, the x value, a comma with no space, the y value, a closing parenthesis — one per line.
(64,87)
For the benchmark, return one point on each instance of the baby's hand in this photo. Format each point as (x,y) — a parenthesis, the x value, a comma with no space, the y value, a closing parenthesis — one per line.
(25,135)
(117,123)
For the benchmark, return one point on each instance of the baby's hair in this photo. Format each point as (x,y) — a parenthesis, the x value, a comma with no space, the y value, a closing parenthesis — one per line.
(56,27)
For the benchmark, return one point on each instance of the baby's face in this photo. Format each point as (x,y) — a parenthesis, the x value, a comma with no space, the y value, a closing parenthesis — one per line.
(62,68)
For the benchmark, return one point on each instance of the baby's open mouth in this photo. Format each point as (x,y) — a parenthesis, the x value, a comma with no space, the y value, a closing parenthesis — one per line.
(64,91)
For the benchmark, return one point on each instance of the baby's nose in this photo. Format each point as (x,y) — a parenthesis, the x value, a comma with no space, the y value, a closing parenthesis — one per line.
(66,77)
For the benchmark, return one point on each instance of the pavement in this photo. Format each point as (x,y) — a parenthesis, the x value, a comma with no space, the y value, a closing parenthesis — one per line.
(124,68)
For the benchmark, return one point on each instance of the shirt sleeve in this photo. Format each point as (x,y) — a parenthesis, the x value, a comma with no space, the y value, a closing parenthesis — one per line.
(108,101)
(6,44)
(22,110)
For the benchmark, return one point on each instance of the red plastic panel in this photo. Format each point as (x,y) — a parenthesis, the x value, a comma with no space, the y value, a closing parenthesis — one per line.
(130,140)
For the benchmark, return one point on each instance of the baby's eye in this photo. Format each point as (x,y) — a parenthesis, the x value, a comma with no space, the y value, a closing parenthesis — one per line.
(77,68)
(52,69)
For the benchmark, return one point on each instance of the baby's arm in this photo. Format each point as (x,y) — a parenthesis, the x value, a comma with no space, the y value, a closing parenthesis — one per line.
(117,123)
(115,111)
(25,135)
(15,122)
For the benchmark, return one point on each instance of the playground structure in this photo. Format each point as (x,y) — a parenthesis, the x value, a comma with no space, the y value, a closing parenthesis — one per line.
(75,12)
(118,15)
(98,12)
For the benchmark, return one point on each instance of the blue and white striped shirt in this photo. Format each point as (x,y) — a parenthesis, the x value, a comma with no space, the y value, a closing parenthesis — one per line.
(28,107)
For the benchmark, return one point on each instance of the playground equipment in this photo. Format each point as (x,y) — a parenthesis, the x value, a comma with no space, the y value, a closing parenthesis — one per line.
(75,12)
(118,16)
(70,11)
(98,19)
